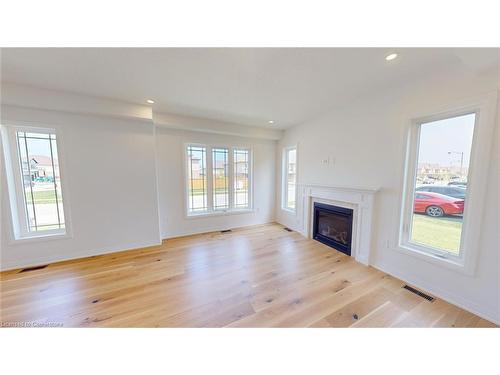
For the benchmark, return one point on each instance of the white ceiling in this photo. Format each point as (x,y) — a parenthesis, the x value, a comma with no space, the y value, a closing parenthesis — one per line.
(247,86)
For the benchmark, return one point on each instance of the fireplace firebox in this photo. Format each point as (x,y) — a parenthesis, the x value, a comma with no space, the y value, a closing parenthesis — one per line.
(332,226)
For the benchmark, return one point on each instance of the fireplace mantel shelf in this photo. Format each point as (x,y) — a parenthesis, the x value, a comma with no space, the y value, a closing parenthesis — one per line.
(345,188)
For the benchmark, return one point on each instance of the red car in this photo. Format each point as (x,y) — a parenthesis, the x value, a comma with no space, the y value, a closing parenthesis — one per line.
(437,205)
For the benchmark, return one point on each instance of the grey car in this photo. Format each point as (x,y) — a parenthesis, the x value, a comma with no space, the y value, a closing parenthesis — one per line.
(451,191)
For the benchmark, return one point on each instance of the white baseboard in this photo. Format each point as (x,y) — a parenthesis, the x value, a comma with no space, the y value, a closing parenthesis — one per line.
(6,266)
(216,229)
(440,293)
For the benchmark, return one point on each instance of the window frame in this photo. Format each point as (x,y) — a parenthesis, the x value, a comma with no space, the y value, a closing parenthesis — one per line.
(231,210)
(232,166)
(19,229)
(187,180)
(484,109)
(284,178)
(228,177)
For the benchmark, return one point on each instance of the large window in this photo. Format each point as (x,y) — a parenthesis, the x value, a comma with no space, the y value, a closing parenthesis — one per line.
(289,178)
(218,179)
(34,181)
(437,188)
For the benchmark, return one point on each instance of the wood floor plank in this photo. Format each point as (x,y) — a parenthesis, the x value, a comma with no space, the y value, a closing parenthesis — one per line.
(260,276)
(358,309)
(382,316)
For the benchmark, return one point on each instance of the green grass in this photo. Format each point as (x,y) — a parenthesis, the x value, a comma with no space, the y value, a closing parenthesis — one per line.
(441,233)
(43,197)
(51,227)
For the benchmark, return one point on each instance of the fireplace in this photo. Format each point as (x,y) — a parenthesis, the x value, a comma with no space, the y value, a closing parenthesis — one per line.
(332,226)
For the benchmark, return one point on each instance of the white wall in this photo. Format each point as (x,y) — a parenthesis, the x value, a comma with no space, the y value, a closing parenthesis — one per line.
(366,145)
(170,149)
(110,174)
(122,172)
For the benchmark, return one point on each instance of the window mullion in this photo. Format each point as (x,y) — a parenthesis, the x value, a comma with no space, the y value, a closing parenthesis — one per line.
(191,184)
(26,226)
(19,188)
(210,179)
(31,187)
(55,185)
(231,176)
(285,181)
(249,178)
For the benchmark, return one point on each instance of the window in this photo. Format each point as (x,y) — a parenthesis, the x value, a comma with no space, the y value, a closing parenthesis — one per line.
(289,178)
(437,186)
(241,185)
(34,181)
(218,179)
(197,177)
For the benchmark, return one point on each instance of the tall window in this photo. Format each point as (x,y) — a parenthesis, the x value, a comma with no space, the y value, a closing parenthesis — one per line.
(289,178)
(197,179)
(241,181)
(437,191)
(218,179)
(35,182)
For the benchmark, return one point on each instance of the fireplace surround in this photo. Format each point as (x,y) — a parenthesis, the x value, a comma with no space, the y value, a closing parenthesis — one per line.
(360,200)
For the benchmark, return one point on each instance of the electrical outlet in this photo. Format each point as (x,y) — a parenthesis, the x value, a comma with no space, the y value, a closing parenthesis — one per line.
(328,161)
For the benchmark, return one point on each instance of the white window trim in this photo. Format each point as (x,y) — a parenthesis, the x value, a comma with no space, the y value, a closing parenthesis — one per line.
(484,108)
(210,210)
(284,181)
(18,233)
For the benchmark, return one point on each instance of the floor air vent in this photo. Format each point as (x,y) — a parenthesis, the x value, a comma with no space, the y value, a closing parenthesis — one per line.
(33,268)
(419,293)
(288,229)
(226,231)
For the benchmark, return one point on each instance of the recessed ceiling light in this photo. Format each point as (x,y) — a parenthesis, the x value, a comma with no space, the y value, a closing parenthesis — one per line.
(392,56)
(271,122)
(150,101)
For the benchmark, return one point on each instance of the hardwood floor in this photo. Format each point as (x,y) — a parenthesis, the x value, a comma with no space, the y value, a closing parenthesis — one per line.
(259,276)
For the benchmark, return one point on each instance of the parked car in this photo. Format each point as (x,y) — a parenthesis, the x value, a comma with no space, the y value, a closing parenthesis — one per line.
(437,205)
(428,180)
(451,191)
(458,183)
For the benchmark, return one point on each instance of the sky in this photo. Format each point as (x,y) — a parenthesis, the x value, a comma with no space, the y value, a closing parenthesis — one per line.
(40,147)
(437,138)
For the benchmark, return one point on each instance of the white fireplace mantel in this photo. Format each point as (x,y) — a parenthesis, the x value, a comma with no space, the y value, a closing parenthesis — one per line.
(360,200)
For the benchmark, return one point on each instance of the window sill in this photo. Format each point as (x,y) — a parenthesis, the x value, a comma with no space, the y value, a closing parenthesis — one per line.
(456,264)
(289,210)
(219,213)
(40,238)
